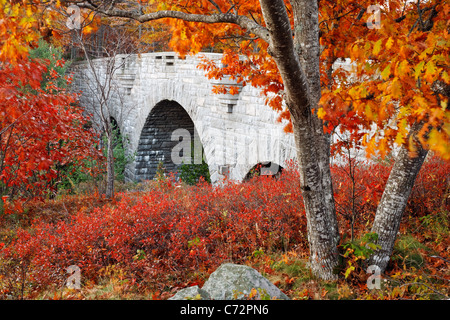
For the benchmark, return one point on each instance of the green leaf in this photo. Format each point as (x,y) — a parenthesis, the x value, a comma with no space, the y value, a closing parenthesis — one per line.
(389,43)
(348,271)
(386,72)
(430,69)
(445,77)
(402,68)
(370,237)
(439,58)
(373,246)
(194,242)
(377,47)
(418,69)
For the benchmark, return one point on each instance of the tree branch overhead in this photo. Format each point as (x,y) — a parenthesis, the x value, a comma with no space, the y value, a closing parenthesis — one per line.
(242,21)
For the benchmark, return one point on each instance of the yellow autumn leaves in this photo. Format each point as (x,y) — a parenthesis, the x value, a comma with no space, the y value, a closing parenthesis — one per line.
(17,30)
(395,69)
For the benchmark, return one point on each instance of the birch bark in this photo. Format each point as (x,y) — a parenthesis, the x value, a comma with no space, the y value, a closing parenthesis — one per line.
(393,202)
(298,63)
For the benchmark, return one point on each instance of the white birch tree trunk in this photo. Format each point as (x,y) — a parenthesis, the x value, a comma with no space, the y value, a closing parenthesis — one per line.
(298,64)
(393,202)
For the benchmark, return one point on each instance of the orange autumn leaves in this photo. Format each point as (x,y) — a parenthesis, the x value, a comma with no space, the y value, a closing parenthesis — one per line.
(41,126)
(389,87)
(392,82)
(395,68)
(17,30)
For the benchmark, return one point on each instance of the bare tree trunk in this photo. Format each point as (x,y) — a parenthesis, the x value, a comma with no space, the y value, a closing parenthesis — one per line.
(393,202)
(103,88)
(109,193)
(306,44)
(299,68)
(321,226)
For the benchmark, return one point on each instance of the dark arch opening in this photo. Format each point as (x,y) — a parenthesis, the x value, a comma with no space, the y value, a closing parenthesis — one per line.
(264,169)
(116,131)
(168,139)
(118,139)
(115,125)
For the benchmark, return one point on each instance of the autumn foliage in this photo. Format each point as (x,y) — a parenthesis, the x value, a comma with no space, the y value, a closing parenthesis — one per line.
(398,76)
(41,125)
(398,71)
(172,234)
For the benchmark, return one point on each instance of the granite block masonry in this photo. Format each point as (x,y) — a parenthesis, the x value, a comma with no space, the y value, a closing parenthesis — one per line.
(154,95)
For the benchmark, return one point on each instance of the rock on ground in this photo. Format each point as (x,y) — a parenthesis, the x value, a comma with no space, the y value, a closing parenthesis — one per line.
(191,293)
(232,281)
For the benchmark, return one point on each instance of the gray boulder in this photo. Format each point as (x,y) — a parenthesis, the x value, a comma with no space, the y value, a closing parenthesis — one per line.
(191,293)
(232,281)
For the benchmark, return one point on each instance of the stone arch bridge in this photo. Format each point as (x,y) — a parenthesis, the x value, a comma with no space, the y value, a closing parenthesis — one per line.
(164,105)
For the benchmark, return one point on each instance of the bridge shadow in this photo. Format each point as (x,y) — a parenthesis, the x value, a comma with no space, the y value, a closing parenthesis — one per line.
(268,168)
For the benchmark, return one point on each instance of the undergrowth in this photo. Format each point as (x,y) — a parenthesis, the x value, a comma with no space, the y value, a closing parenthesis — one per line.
(160,236)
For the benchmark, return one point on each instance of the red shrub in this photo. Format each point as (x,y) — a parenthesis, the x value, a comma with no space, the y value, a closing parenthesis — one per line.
(175,231)
(429,195)
(169,230)
(431,190)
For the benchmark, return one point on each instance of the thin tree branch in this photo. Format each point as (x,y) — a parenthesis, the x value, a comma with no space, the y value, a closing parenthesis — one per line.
(281,48)
(15,121)
(243,21)
(215,5)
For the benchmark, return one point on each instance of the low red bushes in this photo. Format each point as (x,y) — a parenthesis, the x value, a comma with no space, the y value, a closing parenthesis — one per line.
(429,195)
(170,230)
(173,231)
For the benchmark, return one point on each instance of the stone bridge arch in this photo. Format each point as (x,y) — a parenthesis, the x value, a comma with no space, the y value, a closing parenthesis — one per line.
(235,131)
(167,137)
